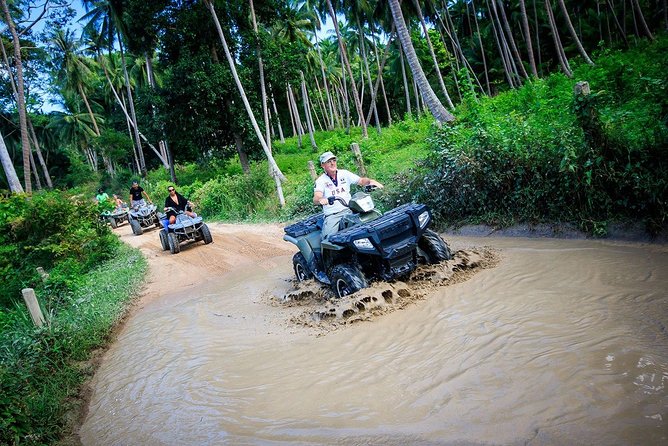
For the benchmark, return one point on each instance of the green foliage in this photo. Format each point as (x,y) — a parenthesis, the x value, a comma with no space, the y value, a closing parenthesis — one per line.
(40,368)
(540,155)
(52,230)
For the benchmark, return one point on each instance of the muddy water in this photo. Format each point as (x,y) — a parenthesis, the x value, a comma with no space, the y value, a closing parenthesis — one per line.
(562,342)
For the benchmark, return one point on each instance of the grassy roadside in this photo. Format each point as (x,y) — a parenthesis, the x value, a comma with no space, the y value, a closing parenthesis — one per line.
(42,369)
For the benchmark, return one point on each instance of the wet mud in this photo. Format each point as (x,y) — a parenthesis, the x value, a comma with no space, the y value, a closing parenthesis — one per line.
(322,311)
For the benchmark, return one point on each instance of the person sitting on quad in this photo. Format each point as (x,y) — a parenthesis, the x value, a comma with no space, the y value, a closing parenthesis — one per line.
(335,183)
(101,196)
(119,203)
(136,192)
(103,202)
(177,202)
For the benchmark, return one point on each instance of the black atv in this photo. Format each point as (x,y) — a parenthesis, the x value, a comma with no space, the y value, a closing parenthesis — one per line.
(369,245)
(142,217)
(184,228)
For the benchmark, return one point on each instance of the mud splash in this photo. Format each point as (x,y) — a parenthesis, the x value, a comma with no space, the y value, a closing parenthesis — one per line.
(320,310)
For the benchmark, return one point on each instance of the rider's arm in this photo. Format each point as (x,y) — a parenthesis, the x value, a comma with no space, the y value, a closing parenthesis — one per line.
(318,199)
(146,195)
(364,181)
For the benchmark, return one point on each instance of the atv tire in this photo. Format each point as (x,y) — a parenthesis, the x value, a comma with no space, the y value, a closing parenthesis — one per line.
(136,227)
(347,279)
(206,234)
(112,222)
(164,239)
(174,246)
(435,247)
(300,265)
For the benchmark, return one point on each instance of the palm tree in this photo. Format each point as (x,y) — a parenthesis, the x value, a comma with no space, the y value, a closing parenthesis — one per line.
(21,101)
(574,35)
(527,38)
(273,167)
(76,71)
(433,103)
(346,63)
(433,54)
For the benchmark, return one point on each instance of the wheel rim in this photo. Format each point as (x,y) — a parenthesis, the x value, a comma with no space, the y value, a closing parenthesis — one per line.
(300,272)
(342,288)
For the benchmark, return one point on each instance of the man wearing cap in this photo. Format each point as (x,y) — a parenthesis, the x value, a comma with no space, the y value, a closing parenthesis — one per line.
(136,192)
(335,183)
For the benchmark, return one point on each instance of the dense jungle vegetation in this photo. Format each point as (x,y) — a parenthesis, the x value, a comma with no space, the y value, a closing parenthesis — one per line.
(466,106)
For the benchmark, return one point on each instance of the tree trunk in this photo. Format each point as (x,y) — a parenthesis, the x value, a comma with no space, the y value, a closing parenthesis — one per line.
(403,73)
(641,17)
(563,60)
(243,156)
(416,3)
(82,93)
(574,35)
(295,113)
(38,150)
(330,121)
(131,105)
(21,102)
(513,47)
(482,48)
(344,55)
(8,167)
(497,39)
(307,112)
(433,103)
(276,172)
(263,89)
(278,119)
(621,29)
(527,38)
(373,107)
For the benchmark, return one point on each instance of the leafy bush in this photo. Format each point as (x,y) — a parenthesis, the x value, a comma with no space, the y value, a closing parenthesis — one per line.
(51,230)
(39,367)
(539,154)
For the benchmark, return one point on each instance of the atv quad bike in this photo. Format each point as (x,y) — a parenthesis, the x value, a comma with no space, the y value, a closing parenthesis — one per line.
(369,245)
(184,228)
(115,217)
(142,217)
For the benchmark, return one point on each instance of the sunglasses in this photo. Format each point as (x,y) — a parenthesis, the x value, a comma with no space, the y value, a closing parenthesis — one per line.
(171,190)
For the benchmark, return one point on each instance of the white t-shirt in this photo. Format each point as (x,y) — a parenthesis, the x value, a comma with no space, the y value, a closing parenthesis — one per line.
(344,180)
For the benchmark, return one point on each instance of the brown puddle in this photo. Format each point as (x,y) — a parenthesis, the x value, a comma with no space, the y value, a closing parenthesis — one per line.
(561,342)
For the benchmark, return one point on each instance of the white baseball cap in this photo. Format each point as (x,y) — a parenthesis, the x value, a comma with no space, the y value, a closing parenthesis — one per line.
(326,157)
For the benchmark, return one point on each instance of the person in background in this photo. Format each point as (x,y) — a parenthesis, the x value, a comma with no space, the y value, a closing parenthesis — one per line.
(101,196)
(118,202)
(335,183)
(176,202)
(136,192)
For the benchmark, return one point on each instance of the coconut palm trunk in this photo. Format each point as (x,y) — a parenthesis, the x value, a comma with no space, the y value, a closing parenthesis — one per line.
(273,167)
(307,112)
(8,167)
(561,55)
(21,102)
(40,158)
(574,35)
(433,103)
(527,38)
(433,55)
(482,48)
(263,89)
(403,74)
(641,18)
(344,55)
(511,40)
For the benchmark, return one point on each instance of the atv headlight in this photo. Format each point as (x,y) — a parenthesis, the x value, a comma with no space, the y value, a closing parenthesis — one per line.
(423,219)
(363,243)
(366,203)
